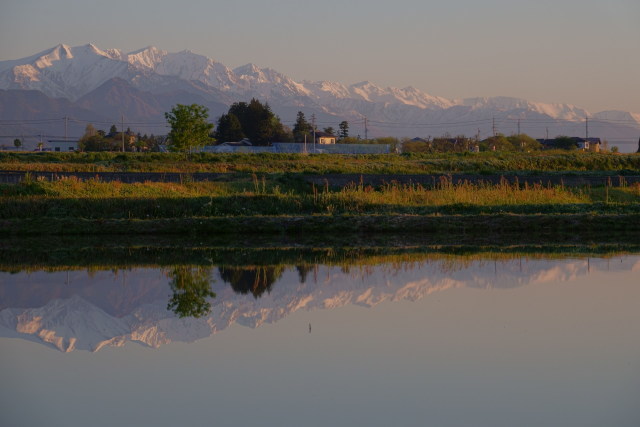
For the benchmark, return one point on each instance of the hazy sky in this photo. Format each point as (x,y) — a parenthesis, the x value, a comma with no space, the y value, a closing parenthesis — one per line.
(582,52)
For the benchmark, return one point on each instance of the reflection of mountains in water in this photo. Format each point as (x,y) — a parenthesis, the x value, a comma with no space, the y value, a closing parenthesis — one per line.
(89,310)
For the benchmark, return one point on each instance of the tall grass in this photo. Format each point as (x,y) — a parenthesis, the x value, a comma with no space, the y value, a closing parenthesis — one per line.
(447,193)
(71,197)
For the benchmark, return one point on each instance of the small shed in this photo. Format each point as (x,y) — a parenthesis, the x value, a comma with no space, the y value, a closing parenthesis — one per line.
(323,138)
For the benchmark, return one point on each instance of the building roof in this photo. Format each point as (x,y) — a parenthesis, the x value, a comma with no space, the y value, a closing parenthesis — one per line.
(576,139)
(324,135)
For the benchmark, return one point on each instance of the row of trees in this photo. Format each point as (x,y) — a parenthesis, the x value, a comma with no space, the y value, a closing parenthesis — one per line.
(99,140)
(191,286)
(499,142)
(253,120)
(303,130)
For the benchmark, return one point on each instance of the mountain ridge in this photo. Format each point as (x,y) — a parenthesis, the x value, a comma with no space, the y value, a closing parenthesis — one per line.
(76,72)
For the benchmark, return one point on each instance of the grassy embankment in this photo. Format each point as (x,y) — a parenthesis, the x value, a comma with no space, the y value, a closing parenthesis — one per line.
(278,203)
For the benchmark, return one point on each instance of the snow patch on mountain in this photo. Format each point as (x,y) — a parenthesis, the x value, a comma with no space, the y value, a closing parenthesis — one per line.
(618,116)
(72,323)
(147,58)
(505,104)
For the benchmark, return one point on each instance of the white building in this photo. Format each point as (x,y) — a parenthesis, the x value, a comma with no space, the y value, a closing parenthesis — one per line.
(61,145)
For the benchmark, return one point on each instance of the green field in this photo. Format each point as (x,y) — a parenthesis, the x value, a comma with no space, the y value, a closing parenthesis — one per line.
(410,163)
(269,194)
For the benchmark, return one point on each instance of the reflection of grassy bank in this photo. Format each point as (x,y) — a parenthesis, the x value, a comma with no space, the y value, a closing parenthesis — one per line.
(349,250)
(587,225)
(285,204)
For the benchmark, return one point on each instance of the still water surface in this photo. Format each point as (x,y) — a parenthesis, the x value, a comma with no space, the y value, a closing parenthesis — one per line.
(441,341)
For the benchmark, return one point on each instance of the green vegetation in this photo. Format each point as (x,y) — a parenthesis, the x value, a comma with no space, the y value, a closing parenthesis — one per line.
(190,289)
(302,129)
(282,203)
(284,195)
(289,193)
(409,163)
(255,121)
(189,127)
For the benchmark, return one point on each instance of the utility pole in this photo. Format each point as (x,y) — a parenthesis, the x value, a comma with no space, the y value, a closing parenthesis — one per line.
(518,126)
(123,133)
(587,127)
(66,126)
(493,127)
(313,126)
(366,129)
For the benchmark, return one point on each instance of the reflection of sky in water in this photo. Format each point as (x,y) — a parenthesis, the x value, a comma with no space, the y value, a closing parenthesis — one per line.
(519,342)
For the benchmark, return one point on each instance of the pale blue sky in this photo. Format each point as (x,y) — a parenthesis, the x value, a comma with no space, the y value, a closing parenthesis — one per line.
(583,52)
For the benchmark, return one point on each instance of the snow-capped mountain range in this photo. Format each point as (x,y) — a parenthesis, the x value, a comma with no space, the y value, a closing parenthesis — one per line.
(102,85)
(90,311)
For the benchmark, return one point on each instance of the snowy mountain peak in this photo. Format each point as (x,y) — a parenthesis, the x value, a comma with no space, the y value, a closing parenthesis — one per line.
(248,70)
(57,53)
(147,58)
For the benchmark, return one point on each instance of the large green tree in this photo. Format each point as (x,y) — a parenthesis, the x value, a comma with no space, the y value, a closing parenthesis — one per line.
(191,290)
(189,127)
(258,122)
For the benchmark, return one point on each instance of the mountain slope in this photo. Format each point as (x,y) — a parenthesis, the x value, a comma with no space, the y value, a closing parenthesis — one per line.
(143,84)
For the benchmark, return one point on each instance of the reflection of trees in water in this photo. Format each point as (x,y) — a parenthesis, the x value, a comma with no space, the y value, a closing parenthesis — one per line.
(303,271)
(191,287)
(254,280)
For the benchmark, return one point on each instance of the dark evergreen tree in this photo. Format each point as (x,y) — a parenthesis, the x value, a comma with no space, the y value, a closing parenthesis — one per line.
(258,122)
(254,280)
(301,128)
(344,129)
(229,128)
